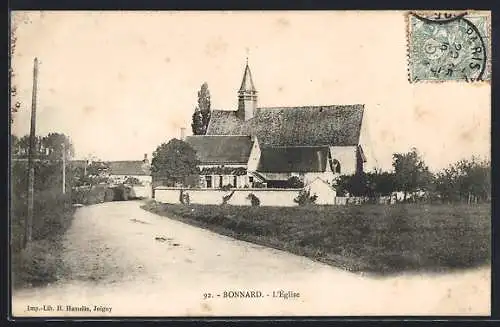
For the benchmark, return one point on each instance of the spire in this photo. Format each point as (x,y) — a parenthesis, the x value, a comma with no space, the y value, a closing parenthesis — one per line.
(247,82)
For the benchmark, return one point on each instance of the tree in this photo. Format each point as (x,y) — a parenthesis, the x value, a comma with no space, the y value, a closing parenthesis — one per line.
(354,185)
(410,172)
(197,124)
(201,115)
(380,183)
(14,104)
(174,162)
(53,144)
(465,180)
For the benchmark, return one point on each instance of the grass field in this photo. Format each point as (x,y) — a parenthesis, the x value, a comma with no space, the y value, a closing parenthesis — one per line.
(376,239)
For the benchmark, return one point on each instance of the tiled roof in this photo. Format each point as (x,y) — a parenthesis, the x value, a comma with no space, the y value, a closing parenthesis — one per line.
(293,159)
(226,149)
(294,126)
(222,121)
(129,168)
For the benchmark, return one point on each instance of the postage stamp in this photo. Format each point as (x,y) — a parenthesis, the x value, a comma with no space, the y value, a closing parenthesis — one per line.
(451,46)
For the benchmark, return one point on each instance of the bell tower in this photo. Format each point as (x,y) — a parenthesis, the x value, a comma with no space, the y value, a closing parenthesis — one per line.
(247,96)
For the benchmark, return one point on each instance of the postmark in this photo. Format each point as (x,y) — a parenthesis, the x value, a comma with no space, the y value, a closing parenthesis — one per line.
(448,47)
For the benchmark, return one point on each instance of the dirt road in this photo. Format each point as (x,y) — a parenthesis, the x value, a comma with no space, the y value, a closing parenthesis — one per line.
(140,264)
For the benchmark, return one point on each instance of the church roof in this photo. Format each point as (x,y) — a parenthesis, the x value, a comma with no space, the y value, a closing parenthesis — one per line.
(293,159)
(247,82)
(211,149)
(294,126)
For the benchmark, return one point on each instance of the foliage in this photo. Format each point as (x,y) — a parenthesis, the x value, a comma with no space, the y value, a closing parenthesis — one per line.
(305,198)
(254,200)
(354,185)
(380,183)
(15,105)
(95,172)
(295,182)
(88,195)
(201,115)
(226,187)
(197,123)
(227,197)
(45,147)
(410,172)
(184,197)
(174,162)
(52,215)
(465,180)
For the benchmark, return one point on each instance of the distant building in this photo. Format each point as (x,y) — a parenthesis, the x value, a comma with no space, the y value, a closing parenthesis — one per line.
(268,145)
(120,171)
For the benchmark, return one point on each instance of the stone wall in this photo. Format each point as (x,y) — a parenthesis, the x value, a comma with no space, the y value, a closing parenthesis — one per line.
(267,197)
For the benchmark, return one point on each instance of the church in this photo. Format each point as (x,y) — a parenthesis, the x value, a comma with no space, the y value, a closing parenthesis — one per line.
(256,146)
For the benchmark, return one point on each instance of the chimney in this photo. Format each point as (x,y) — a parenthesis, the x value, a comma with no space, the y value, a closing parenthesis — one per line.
(183,133)
(145,160)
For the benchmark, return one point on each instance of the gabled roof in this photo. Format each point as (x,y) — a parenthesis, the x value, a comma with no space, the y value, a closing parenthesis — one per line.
(247,82)
(293,159)
(225,149)
(294,126)
(129,168)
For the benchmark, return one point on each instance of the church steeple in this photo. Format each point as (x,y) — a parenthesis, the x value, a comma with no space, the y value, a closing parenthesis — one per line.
(247,96)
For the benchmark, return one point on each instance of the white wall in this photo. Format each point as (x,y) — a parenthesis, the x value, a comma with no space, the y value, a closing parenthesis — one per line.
(142,191)
(346,155)
(267,197)
(253,160)
(326,194)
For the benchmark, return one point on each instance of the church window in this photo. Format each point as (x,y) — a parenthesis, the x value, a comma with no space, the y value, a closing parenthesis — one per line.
(235,181)
(220,181)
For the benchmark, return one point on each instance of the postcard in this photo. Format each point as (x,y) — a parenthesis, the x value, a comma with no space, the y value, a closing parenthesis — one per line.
(250,163)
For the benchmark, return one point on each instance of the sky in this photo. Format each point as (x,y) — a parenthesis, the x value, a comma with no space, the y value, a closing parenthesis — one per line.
(121,83)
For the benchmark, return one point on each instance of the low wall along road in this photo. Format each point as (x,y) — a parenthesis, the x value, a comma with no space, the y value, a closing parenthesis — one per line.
(267,197)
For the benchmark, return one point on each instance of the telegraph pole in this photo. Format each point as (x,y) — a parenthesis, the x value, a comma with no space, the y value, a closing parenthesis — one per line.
(31,170)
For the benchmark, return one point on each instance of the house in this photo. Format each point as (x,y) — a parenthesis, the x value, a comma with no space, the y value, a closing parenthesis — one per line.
(120,171)
(269,145)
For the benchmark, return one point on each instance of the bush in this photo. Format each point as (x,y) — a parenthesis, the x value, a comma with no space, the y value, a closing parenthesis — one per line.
(295,182)
(184,197)
(38,264)
(305,198)
(254,200)
(226,187)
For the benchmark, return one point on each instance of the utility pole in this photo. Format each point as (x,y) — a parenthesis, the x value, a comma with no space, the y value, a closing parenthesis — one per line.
(64,168)
(31,170)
